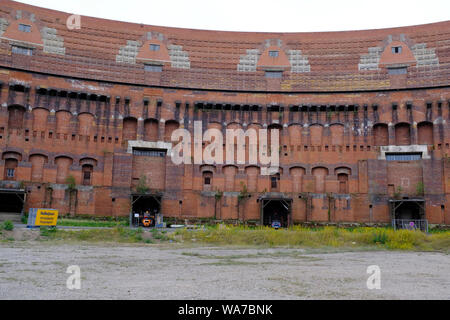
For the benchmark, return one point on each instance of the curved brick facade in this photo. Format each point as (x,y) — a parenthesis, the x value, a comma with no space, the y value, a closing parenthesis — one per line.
(99,103)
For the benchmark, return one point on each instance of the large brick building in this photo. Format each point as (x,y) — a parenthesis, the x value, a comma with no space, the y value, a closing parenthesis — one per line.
(363,118)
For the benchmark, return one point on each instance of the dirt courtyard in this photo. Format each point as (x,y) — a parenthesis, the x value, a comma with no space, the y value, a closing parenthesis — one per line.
(38,271)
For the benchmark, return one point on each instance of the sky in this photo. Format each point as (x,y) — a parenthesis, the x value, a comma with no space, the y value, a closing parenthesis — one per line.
(261,15)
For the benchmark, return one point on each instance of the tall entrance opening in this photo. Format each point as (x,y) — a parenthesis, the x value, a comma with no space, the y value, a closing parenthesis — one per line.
(144,205)
(408,214)
(276,210)
(11,204)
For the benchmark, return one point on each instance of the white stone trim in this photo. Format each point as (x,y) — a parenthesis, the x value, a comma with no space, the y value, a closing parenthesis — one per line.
(149,145)
(404,149)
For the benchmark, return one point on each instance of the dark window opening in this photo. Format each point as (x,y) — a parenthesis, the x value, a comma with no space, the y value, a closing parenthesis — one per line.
(397,50)
(403,156)
(155,47)
(274,74)
(152,68)
(273,54)
(87,174)
(22,50)
(10,173)
(149,153)
(400,70)
(274,183)
(208,181)
(24,27)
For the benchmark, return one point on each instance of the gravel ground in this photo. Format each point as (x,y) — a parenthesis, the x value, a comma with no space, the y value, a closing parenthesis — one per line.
(38,271)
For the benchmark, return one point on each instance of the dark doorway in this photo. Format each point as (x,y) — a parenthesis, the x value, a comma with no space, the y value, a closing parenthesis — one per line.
(11,202)
(274,210)
(408,211)
(145,205)
(408,214)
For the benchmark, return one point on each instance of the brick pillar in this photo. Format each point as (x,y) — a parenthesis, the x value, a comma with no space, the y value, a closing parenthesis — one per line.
(140,129)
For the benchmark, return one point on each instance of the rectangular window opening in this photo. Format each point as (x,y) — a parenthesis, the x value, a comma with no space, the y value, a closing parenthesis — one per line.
(274,74)
(22,50)
(397,49)
(24,27)
(153,68)
(154,47)
(403,156)
(399,70)
(149,153)
(273,54)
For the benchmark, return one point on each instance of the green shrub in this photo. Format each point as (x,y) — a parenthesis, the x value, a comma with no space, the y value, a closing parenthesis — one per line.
(8,225)
(380,237)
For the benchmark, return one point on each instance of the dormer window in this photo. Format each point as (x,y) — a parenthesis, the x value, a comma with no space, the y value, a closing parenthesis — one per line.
(273,54)
(397,50)
(154,47)
(22,50)
(24,27)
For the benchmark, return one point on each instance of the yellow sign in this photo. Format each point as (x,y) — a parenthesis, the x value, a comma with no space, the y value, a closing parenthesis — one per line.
(46,217)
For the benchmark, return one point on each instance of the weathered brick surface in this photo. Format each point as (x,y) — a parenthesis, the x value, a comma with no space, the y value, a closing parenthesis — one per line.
(62,112)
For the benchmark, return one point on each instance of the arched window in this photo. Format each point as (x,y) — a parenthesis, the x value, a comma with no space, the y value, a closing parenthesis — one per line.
(10,169)
(11,163)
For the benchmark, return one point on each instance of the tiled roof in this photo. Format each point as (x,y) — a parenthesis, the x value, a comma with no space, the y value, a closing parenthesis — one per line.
(217,60)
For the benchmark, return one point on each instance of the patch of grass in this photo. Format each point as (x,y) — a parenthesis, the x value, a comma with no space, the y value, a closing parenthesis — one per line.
(329,237)
(47,232)
(117,235)
(66,222)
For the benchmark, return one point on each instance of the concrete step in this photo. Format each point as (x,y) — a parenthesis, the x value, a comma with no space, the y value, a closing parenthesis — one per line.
(13,217)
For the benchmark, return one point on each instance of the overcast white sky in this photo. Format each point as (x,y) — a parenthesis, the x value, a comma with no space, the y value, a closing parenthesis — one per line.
(261,15)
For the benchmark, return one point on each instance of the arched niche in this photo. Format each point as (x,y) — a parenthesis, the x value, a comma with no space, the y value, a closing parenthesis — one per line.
(63,164)
(170,127)
(129,131)
(402,134)
(151,128)
(85,123)
(425,133)
(40,116)
(337,134)
(320,174)
(37,166)
(380,134)
(16,115)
